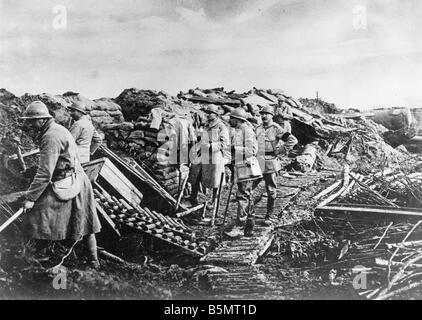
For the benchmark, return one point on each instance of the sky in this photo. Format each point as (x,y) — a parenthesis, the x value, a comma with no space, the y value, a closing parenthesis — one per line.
(355,53)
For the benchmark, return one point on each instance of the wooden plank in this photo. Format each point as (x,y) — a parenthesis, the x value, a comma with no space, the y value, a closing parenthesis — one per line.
(26,154)
(137,171)
(370,209)
(120,183)
(93,168)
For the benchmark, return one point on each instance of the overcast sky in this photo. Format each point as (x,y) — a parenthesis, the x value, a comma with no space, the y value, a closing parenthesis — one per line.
(299,46)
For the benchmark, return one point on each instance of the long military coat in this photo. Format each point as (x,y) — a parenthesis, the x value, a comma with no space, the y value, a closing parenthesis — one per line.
(51,218)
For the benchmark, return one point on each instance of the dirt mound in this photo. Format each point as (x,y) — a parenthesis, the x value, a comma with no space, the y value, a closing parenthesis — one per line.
(136,103)
(319,106)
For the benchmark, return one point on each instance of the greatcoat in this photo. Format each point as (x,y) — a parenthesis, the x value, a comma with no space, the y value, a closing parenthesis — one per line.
(51,218)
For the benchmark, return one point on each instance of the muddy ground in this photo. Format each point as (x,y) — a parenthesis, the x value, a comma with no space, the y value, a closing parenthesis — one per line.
(159,272)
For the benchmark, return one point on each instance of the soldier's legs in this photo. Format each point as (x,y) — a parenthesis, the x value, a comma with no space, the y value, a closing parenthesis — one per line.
(195,189)
(243,196)
(91,244)
(214,198)
(271,187)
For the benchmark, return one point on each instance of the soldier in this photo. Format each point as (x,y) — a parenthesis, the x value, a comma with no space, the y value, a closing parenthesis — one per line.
(273,141)
(60,200)
(215,151)
(86,137)
(244,149)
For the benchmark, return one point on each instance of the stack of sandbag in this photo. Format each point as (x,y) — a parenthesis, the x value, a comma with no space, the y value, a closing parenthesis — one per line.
(102,111)
(151,147)
(157,132)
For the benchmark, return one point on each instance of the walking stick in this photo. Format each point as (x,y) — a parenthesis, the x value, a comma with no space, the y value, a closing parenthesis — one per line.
(217,202)
(181,192)
(11,219)
(228,200)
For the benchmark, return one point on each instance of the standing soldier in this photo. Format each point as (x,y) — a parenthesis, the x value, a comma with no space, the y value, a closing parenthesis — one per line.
(86,137)
(244,149)
(60,200)
(215,152)
(272,139)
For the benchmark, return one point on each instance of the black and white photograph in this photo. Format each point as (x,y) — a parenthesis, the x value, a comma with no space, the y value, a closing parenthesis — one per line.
(223,151)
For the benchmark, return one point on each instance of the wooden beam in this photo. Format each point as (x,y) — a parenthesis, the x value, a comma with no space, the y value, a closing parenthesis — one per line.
(371,209)
(189,211)
(26,154)
(11,219)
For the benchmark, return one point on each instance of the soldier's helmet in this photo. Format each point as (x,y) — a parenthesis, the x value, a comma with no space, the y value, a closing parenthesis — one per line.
(212,108)
(238,113)
(36,110)
(267,109)
(78,107)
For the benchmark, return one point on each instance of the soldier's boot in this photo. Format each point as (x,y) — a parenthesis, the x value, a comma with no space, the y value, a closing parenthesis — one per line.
(240,217)
(91,243)
(270,218)
(248,231)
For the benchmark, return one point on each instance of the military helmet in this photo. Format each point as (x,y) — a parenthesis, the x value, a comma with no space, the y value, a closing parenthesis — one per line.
(238,113)
(78,107)
(267,109)
(212,108)
(36,110)
(255,109)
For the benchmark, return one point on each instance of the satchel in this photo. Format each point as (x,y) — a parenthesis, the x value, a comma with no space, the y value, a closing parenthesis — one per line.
(67,188)
(272,165)
(249,170)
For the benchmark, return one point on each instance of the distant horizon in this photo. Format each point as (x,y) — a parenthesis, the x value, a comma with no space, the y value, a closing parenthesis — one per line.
(360,54)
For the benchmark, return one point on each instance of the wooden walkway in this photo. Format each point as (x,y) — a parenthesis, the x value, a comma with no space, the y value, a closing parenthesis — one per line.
(242,278)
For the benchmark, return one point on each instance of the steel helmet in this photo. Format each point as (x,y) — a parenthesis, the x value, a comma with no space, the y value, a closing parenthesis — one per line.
(267,109)
(255,109)
(78,107)
(212,108)
(238,113)
(36,110)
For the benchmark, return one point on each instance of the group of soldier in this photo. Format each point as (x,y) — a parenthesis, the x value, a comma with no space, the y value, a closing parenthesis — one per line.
(60,201)
(241,147)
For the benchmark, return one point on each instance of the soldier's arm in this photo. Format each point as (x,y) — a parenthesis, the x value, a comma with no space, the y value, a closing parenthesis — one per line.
(287,126)
(286,140)
(223,143)
(49,154)
(95,142)
(76,130)
(251,143)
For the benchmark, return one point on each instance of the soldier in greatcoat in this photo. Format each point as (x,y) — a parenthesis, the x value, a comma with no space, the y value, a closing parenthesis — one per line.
(47,217)
(244,147)
(214,153)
